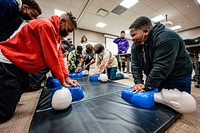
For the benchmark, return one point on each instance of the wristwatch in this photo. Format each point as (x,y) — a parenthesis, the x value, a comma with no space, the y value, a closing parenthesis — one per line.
(149,88)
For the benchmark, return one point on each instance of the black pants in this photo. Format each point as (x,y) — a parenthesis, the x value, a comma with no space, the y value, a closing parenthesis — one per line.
(13,82)
(87,61)
(36,80)
(119,64)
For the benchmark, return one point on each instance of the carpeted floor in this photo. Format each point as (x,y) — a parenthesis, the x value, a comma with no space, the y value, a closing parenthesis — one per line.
(20,122)
(25,109)
(189,123)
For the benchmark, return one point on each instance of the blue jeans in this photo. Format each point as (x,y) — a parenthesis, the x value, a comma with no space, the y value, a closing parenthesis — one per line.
(111,72)
(183,84)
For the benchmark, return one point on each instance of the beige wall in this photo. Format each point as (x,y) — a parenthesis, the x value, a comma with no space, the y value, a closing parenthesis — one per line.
(99,37)
(91,36)
(189,34)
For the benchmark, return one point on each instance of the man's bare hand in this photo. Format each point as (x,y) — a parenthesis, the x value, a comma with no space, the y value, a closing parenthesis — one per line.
(138,88)
(72,82)
(78,69)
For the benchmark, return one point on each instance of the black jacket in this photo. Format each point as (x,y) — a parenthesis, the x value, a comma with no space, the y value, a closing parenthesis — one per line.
(9,18)
(163,58)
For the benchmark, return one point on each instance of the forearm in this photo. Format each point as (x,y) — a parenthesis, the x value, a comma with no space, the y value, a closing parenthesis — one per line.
(91,62)
(81,62)
(101,68)
(116,40)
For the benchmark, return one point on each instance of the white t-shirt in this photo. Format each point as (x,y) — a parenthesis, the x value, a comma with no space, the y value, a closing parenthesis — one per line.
(83,45)
(3,59)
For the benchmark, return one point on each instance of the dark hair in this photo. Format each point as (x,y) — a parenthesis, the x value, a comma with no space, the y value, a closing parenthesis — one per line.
(141,22)
(80,48)
(99,48)
(122,31)
(65,42)
(70,15)
(89,47)
(33,4)
(82,38)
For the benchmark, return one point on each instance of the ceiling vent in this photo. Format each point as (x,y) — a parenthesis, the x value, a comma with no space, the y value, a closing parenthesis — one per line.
(102,12)
(119,10)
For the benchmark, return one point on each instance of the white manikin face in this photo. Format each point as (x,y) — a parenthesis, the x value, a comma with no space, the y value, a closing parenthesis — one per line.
(85,72)
(103,78)
(61,99)
(182,102)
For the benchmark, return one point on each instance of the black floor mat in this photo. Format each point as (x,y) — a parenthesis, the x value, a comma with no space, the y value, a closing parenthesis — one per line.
(102,110)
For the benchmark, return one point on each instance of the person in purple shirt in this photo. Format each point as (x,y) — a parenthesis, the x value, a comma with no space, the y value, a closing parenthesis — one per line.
(123,46)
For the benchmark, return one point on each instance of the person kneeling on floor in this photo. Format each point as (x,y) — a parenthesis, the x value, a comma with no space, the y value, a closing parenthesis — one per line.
(105,59)
(35,47)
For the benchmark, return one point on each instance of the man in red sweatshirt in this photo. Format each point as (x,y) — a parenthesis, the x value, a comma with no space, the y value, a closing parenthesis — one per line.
(34,48)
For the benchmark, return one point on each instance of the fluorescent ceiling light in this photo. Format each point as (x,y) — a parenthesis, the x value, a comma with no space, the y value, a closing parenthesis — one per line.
(58,12)
(198,1)
(128,3)
(158,18)
(127,31)
(100,24)
(175,27)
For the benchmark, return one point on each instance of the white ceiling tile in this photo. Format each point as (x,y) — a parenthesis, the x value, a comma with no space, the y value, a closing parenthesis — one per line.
(146,11)
(148,2)
(77,3)
(98,3)
(129,14)
(93,9)
(138,7)
(109,5)
(74,11)
(117,1)
(196,20)
(175,9)
(159,4)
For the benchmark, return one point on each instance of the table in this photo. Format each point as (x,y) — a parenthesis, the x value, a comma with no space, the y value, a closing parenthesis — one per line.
(128,59)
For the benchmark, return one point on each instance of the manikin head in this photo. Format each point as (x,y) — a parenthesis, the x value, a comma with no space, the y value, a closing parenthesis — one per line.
(61,99)
(103,77)
(85,72)
(182,102)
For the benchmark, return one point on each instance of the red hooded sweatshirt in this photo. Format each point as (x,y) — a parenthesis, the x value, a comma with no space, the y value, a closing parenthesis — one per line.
(36,47)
